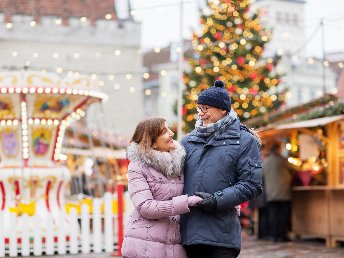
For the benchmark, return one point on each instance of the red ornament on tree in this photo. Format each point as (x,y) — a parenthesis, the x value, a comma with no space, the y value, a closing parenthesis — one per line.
(218,35)
(269,67)
(231,89)
(253,91)
(183,111)
(202,61)
(240,60)
(253,76)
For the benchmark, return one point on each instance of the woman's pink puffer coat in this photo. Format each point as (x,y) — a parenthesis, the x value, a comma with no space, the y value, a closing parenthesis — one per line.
(155,183)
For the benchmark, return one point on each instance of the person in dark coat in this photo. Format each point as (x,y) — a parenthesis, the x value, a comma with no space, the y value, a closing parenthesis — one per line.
(259,207)
(277,177)
(223,166)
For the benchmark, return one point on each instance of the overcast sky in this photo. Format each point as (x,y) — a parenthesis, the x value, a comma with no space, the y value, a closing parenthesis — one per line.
(160,22)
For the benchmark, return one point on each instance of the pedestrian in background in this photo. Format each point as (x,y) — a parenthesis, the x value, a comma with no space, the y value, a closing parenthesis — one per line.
(223,166)
(277,177)
(260,216)
(155,184)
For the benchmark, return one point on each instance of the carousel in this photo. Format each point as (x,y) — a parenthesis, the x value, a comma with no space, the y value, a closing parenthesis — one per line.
(36,108)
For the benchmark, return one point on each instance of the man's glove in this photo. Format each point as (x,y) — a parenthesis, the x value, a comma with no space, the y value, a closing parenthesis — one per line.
(208,203)
(193,200)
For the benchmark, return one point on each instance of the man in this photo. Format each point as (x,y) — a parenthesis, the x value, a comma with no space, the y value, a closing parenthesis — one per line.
(223,166)
(277,176)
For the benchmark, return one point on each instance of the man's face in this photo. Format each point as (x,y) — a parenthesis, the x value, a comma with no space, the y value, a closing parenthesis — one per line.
(209,114)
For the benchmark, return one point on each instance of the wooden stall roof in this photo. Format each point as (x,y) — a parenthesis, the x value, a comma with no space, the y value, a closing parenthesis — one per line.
(283,129)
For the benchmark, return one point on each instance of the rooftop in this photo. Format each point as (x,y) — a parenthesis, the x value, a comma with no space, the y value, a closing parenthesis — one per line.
(91,9)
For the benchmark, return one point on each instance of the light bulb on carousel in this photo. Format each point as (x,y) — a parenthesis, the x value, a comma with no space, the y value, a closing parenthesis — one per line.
(36,109)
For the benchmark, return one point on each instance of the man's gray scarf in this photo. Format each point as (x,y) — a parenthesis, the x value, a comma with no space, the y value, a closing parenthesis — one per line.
(169,163)
(217,128)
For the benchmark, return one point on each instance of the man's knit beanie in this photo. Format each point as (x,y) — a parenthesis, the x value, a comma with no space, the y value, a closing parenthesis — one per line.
(216,96)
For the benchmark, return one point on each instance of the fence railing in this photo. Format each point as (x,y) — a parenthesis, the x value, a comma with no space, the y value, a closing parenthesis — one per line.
(77,232)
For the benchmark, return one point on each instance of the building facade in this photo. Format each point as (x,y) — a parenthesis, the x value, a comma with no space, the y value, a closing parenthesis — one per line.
(305,77)
(79,37)
(161,87)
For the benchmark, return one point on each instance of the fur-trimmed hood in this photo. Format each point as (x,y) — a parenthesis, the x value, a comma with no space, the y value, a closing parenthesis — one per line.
(169,163)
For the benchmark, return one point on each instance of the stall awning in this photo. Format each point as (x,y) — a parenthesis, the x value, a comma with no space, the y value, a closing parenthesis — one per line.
(276,130)
(310,123)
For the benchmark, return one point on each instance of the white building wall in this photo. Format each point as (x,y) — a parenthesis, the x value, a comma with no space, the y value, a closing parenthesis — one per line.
(109,48)
(303,80)
(285,18)
(168,93)
(164,91)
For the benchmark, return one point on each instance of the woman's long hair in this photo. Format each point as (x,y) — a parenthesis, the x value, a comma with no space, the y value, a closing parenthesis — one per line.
(147,132)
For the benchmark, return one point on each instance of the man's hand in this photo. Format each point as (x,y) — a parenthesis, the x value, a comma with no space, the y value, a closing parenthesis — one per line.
(193,200)
(208,203)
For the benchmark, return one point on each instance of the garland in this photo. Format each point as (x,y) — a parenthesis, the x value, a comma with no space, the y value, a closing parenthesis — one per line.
(298,113)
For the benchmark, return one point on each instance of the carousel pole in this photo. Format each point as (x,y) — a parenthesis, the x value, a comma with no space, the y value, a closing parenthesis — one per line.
(91,146)
(120,192)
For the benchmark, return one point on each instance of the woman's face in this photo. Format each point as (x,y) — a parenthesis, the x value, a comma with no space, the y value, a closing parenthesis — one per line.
(165,141)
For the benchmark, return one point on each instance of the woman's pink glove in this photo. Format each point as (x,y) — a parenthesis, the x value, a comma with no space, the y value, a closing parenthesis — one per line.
(238,207)
(193,200)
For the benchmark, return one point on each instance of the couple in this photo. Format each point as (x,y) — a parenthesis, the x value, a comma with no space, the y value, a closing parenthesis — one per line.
(217,167)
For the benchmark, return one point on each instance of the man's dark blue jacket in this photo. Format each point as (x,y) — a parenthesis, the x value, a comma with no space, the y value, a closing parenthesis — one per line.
(228,166)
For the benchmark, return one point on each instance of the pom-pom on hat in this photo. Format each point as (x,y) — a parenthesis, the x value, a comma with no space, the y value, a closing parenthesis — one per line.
(216,96)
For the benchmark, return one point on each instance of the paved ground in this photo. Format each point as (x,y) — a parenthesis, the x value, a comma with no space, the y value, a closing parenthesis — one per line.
(266,249)
(297,249)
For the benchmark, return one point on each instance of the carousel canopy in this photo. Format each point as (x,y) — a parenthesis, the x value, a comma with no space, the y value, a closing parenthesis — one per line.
(35,110)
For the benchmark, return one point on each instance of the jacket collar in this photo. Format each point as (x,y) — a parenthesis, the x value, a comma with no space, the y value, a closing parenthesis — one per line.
(232,132)
(169,163)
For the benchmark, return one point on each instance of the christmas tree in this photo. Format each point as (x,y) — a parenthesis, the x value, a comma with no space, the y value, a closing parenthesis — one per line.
(230,48)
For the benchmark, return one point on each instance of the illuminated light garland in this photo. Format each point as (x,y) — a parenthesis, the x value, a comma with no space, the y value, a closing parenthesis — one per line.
(25,143)
(66,91)
(75,116)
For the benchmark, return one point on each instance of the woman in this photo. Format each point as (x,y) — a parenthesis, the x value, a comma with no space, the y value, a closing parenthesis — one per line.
(155,183)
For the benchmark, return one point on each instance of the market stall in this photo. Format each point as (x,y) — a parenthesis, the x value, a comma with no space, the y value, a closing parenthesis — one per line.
(317,147)
(97,159)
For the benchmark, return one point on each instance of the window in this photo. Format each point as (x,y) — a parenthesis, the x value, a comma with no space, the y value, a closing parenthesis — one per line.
(278,17)
(295,19)
(148,105)
(287,18)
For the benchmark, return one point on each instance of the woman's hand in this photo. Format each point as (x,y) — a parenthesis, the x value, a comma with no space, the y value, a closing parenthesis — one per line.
(193,200)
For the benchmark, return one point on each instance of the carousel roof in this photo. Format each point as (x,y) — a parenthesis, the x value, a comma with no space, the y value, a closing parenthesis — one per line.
(36,108)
